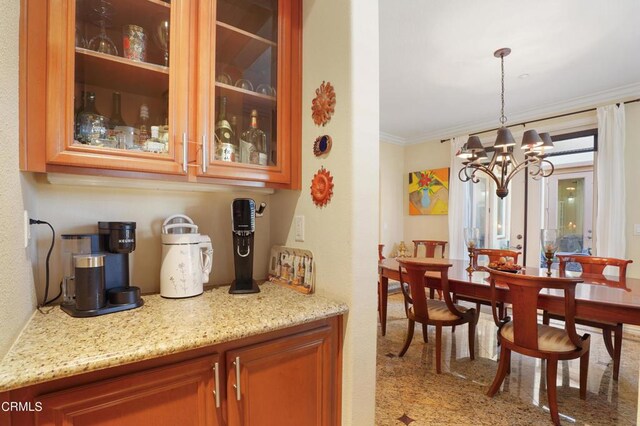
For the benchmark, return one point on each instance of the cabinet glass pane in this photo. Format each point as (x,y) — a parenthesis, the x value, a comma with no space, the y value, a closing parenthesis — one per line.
(246,82)
(121,95)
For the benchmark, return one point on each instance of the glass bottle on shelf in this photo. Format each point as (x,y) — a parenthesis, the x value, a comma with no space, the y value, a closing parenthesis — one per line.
(226,146)
(90,125)
(253,143)
(141,132)
(116,115)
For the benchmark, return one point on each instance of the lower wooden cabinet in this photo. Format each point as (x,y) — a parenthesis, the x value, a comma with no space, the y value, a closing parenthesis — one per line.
(180,394)
(286,382)
(288,377)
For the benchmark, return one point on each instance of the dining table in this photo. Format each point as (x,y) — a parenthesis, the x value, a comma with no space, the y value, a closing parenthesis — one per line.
(599,297)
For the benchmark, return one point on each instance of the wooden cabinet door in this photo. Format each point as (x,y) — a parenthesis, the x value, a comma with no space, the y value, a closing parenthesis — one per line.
(250,56)
(286,382)
(102,56)
(180,394)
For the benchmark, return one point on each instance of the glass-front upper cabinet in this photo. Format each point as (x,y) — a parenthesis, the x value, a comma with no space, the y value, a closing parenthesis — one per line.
(124,68)
(247,127)
(205,89)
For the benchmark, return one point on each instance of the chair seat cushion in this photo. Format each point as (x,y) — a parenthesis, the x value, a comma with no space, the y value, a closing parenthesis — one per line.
(550,339)
(438,310)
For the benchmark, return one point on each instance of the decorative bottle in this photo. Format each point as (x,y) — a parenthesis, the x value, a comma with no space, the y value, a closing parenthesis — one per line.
(141,132)
(116,115)
(226,146)
(90,125)
(253,143)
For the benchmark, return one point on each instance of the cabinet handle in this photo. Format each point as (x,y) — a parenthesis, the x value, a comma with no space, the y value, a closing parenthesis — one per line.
(216,390)
(185,152)
(205,157)
(237,385)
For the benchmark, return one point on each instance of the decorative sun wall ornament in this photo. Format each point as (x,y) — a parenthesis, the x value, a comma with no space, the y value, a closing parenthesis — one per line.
(324,103)
(322,145)
(322,187)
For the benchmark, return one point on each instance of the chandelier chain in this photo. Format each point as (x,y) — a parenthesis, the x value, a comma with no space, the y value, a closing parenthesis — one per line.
(503,118)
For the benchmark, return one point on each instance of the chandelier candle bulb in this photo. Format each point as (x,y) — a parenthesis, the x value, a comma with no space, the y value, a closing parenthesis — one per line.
(503,165)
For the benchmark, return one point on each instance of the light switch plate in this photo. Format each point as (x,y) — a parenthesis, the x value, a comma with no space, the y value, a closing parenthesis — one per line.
(636,229)
(299,228)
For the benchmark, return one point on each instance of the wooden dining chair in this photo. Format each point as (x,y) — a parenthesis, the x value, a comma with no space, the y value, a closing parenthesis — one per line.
(494,255)
(524,335)
(439,313)
(596,265)
(430,247)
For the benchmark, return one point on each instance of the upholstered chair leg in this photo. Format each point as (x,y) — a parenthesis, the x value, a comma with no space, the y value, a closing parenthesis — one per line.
(438,348)
(584,371)
(425,333)
(432,293)
(545,317)
(472,339)
(502,371)
(552,396)
(409,338)
(508,361)
(617,350)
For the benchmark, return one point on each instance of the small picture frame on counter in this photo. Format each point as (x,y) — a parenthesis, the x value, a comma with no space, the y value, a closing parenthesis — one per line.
(293,268)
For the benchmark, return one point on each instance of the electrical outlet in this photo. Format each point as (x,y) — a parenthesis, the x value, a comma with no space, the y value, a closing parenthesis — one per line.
(27,229)
(636,229)
(299,223)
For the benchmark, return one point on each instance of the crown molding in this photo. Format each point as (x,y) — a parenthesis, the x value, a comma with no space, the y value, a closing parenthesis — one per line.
(392,139)
(618,94)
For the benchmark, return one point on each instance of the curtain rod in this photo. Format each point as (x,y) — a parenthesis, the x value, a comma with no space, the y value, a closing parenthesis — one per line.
(524,123)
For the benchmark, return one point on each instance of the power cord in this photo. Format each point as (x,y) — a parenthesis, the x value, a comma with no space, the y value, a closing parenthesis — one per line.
(45,302)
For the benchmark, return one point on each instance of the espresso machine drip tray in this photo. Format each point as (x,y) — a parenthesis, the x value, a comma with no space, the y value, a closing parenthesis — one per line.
(118,299)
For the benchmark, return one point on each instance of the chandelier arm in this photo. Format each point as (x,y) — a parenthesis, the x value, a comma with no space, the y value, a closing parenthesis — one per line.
(463,175)
(487,171)
(551,168)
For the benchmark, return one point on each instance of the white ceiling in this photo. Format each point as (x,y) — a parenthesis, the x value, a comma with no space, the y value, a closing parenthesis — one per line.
(439,78)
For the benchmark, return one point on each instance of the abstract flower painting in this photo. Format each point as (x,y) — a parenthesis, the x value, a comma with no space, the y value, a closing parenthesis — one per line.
(429,192)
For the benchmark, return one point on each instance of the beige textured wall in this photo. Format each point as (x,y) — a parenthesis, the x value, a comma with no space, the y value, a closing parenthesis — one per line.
(632,153)
(392,188)
(16,282)
(340,46)
(427,155)
(77,209)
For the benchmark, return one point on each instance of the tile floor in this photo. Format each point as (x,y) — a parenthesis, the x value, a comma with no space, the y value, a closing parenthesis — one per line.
(410,392)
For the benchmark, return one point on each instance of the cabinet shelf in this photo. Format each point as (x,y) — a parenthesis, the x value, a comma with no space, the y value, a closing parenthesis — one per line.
(120,74)
(257,98)
(240,48)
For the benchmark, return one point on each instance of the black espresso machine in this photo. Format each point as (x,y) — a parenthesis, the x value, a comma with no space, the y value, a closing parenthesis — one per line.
(243,227)
(96,274)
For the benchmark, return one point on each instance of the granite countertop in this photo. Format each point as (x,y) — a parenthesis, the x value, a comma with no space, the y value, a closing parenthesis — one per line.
(56,345)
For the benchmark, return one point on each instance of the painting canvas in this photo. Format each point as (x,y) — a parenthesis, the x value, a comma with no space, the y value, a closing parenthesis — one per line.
(429,192)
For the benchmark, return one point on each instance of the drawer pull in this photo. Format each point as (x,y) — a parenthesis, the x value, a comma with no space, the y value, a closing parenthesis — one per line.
(237,385)
(205,159)
(216,390)
(185,152)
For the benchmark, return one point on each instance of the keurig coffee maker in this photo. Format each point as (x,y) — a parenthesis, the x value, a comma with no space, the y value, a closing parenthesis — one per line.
(96,271)
(243,226)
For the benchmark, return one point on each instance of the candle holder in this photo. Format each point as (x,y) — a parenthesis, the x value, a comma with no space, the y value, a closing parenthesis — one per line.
(549,241)
(471,240)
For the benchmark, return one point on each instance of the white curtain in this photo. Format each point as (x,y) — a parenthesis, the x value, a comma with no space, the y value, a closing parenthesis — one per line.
(458,203)
(610,207)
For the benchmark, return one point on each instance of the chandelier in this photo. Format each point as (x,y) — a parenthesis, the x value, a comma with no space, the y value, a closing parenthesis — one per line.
(503,165)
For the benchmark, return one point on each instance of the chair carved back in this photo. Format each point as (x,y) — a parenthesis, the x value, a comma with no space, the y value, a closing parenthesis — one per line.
(494,255)
(594,264)
(525,291)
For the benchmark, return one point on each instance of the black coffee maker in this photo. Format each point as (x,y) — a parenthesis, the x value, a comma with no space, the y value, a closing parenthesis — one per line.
(243,226)
(97,266)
